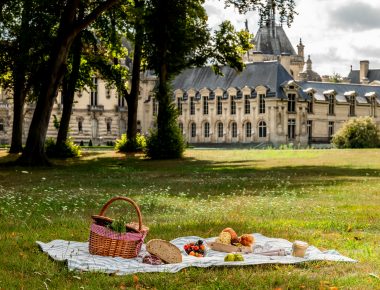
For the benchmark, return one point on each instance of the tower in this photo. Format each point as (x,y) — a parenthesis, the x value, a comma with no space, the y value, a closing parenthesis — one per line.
(301,48)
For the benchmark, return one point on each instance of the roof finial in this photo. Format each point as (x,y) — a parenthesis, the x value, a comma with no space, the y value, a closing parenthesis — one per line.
(351,67)
(300,41)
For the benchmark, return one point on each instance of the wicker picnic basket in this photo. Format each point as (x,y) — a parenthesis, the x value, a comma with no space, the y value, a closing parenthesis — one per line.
(106,242)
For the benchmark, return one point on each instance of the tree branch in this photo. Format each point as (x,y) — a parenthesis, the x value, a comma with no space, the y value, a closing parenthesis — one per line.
(94,15)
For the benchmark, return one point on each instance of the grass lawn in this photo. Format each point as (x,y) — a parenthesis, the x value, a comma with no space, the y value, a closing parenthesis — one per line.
(329,198)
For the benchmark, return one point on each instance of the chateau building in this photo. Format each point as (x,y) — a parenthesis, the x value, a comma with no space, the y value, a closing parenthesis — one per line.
(275,100)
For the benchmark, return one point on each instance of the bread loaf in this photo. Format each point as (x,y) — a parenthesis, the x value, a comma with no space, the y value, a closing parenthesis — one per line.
(164,250)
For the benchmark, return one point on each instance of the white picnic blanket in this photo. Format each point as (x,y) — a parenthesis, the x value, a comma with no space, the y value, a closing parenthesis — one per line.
(78,258)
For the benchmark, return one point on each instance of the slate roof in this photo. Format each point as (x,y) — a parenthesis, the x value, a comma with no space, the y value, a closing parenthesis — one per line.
(373,75)
(270,74)
(341,89)
(275,45)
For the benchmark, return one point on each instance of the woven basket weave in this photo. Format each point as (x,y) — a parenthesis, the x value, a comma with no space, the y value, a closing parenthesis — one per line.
(106,242)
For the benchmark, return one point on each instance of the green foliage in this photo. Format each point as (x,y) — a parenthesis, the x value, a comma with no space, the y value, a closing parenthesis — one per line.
(358,133)
(335,78)
(118,225)
(166,142)
(56,122)
(90,143)
(126,145)
(67,150)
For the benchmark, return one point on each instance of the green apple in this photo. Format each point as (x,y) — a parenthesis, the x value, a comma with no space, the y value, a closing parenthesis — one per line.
(238,257)
(229,258)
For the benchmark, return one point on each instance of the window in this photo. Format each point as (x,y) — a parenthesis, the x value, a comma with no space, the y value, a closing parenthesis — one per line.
(1,125)
(262,129)
(234,130)
(205,105)
(233,105)
(192,106)
(247,105)
(220,130)
(80,126)
(179,106)
(291,103)
(373,107)
(193,130)
(291,129)
(219,106)
(94,92)
(207,130)
(180,125)
(120,101)
(248,130)
(261,104)
(310,105)
(108,93)
(331,129)
(352,105)
(155,107)
(331,100)
(108,127)
(310,129)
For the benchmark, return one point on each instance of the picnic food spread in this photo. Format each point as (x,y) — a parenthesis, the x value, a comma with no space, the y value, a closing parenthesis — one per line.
(197,249)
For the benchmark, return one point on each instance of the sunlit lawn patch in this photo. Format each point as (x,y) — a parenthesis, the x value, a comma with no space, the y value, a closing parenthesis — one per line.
(330,198)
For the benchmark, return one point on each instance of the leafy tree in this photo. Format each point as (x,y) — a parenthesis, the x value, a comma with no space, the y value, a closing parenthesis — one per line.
(358,133)
(68,28)
(178,37)
(335,78)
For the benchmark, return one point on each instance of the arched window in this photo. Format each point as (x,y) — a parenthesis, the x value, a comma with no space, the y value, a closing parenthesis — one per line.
(234,130)
(220,130)
(207,130)
(193,130)
(262,129)
(248,129)
(180,125)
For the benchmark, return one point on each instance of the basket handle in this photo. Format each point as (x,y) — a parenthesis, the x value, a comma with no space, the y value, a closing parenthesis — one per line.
(104,208)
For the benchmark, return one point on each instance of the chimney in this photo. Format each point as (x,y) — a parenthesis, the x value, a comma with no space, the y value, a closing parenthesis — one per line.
(285,61)
(325,79)
(364,67)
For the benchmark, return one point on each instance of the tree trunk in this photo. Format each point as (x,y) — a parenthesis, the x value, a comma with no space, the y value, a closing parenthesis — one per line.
(18,117)
(132,99)
(68,93)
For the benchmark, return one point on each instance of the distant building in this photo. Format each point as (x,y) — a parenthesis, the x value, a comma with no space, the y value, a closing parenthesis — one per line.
(365,75)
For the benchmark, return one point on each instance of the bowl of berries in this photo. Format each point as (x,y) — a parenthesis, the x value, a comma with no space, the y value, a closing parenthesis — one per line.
(196,249)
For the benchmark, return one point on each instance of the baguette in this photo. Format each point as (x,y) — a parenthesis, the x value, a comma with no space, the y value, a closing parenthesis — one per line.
(166,251)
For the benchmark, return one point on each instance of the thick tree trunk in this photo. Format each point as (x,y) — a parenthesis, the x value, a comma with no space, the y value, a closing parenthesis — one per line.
(68,93)
(18,118)
(132,99)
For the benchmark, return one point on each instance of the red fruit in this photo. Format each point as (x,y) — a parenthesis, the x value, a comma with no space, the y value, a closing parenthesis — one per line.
(196,248)
(186,247)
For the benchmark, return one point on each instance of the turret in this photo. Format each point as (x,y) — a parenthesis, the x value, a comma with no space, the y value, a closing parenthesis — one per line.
(301,48)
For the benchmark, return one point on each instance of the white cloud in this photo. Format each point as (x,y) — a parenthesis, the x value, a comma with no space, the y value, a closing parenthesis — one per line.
(337,34)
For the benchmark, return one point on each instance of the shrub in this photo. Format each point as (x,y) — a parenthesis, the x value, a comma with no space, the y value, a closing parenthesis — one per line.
(358,133)
(125,145)
(166,143)
(81,143)
(90,143)
(66,150)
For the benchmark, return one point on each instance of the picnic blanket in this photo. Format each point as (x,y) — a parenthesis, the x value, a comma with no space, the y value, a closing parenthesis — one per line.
(78,258)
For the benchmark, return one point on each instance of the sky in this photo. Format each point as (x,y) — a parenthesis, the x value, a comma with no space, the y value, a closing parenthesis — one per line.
(336,33)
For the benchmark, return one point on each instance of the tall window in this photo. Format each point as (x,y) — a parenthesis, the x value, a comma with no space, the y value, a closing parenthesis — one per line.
(179,105)
(94,92)
(192,106)
(180,125)
(205,105)
(352,105)
(193,130)
(331,100)
(331,129)
(80,126)
(373,107)
(262,129)
(247,105)
(233,130)
(108,127)
(207,130)
(310,106)
(233,105)
(1,125)
(261,104)
(291,129)
(155,107)
(219,105)
(120,101)
(248,130)
(309,129)
(220,130)
(291,103)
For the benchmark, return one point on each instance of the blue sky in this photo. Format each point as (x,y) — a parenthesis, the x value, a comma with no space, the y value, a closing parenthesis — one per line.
(336,33)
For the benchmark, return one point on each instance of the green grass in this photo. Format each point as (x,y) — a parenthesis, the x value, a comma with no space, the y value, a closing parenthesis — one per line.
(329,198)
